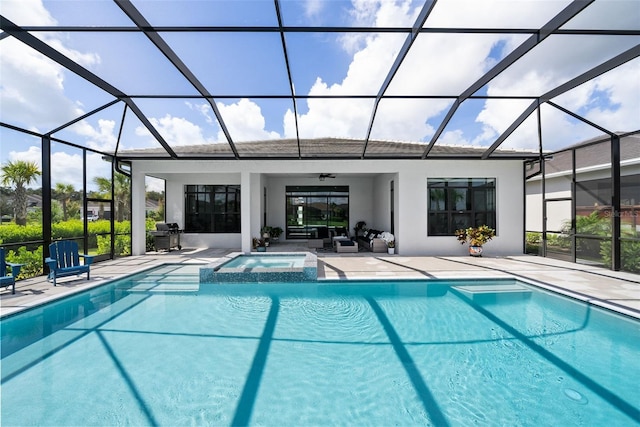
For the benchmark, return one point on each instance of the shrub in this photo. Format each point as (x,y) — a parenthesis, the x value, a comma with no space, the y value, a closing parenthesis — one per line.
(629,255)
(122,245)
(31,260)
(13,233)
(533,242)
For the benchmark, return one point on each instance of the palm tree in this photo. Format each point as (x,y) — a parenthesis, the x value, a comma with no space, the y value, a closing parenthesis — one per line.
(20,174)
(65,193)
(121,193)
(122,196)
(104,191)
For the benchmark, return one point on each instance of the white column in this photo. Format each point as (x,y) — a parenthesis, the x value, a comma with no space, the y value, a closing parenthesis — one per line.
(411,211)
(138,214)
(251,200)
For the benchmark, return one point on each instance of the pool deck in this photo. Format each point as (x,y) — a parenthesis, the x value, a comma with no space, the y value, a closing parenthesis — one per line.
(618,291)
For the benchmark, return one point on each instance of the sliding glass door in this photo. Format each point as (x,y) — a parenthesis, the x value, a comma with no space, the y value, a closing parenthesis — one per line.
(316,212)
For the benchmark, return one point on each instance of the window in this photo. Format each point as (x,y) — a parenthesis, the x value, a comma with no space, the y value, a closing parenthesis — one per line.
(316,212)
(456,203)
(212,209)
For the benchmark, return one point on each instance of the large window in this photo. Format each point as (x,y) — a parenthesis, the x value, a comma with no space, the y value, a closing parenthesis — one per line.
(212,209)
(316,212)
(456,203)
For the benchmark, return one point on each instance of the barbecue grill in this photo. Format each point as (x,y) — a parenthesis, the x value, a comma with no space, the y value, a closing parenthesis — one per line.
(166,236)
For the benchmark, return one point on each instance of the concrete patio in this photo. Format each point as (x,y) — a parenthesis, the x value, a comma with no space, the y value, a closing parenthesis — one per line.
(614,290)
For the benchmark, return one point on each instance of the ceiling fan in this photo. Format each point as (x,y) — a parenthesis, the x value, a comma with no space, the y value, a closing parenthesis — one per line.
(324,176)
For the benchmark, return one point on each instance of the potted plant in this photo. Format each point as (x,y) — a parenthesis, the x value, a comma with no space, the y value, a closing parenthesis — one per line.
(476,237)
(275,233)
(260,244)
(390,240)
(391,247)
(265,231)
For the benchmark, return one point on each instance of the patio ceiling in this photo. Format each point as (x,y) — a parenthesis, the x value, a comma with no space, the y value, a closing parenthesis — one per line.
(290,79)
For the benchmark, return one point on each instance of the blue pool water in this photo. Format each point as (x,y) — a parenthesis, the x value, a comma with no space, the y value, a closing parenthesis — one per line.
(162,349)
(266,261)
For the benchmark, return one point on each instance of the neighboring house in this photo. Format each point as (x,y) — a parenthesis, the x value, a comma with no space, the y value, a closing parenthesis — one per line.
(224,203)
(34,203)
(151,206)
(593,185)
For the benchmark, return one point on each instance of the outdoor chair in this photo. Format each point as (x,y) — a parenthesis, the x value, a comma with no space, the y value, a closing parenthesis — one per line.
(7,280)
(64,260)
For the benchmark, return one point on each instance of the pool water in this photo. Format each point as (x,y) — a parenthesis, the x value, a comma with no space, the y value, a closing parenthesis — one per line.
(266,261)
(327,353)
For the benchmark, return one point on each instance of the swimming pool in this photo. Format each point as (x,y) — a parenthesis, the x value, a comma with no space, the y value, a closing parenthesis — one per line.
(161,348)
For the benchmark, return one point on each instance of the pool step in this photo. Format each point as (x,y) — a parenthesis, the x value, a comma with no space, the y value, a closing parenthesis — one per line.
(495,293)
(187,285)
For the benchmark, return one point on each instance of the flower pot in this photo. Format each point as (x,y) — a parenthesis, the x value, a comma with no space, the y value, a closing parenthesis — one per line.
(391,251)
(475,250)
(261,249)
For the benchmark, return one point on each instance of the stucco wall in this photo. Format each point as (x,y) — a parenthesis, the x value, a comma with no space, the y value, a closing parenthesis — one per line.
(369,196)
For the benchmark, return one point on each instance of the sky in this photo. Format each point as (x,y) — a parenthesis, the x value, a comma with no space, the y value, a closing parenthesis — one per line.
(39,95)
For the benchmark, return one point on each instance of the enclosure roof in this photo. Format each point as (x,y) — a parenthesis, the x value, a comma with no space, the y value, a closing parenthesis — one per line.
(301,79)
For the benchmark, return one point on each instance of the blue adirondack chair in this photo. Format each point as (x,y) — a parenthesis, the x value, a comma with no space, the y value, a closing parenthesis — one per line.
(7,280)
(64,260)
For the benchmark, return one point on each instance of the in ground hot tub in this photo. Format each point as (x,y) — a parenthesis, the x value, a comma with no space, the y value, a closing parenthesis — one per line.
(238,267)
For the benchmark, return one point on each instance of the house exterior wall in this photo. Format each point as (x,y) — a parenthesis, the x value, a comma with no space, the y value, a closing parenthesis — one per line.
(558,185)
(369,197)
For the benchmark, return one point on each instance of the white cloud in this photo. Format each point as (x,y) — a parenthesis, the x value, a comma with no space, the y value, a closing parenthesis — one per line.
(204,110)
(244,121)
(103,138)
(33,154)
(177,131)
(454,137)
(456,69)
(611,101)
(622,87)
(334,118)
(312,8)
(370,65)
(31,83)
(65,168)
(27,12)
(154,184)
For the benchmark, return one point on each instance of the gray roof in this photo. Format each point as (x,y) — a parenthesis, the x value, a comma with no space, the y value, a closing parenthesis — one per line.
(328,148)
(593,152)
